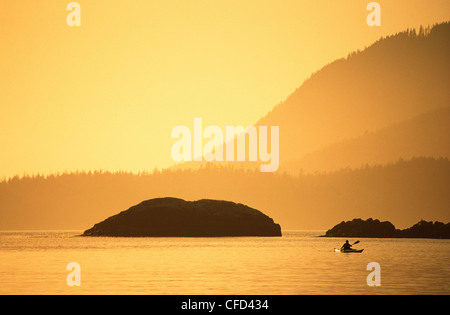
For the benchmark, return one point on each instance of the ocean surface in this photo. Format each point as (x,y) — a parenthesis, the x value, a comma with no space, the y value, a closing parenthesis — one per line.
(299,262)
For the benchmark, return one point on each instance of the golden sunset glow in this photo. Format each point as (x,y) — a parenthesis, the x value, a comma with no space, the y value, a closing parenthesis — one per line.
(224,147)
(107,94)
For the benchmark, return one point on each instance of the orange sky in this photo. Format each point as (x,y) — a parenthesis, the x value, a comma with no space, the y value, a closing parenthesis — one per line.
(107,94)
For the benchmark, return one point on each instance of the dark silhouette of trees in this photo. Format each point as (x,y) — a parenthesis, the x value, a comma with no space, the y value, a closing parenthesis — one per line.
(402,192)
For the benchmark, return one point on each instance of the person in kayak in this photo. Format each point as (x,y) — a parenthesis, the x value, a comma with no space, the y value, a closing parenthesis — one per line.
(346,246)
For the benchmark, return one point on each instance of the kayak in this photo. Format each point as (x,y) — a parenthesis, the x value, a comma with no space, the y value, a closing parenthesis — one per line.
(349,250)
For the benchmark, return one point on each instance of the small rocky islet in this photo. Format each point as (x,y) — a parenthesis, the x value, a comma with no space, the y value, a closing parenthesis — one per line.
(174,217)
(377,229)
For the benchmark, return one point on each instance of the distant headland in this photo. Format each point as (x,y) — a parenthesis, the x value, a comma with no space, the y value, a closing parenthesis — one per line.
(375,228)
(173,217)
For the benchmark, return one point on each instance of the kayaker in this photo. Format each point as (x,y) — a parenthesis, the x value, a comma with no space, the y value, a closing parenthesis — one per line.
(346,246)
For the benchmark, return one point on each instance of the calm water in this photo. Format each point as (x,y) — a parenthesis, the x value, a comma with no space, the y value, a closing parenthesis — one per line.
(297,263)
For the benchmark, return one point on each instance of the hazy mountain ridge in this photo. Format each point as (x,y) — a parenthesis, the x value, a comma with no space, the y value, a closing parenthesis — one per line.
(423,135)
(371,92)
(394,79)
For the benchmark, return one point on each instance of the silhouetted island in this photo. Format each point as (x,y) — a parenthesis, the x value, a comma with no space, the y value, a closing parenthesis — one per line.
(172,217)
(375,228)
